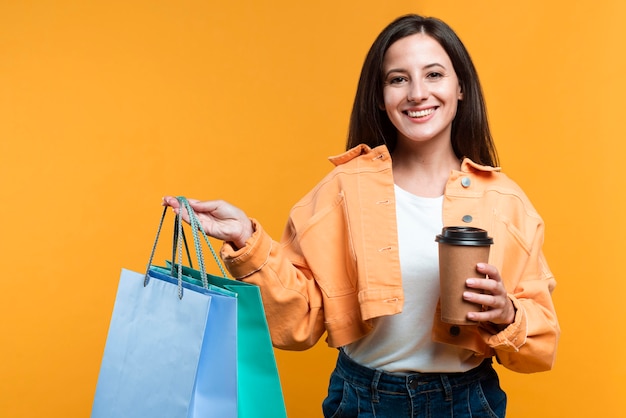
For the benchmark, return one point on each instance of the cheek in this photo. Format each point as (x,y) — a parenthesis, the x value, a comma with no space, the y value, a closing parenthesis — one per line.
(390,99)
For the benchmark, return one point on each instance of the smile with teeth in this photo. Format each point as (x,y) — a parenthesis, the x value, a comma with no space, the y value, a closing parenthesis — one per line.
(420,113)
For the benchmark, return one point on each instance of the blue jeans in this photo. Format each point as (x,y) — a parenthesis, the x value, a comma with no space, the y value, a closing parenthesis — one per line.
(358,391)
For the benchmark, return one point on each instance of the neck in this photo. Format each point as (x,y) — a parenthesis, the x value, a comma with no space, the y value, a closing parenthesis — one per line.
(423,172)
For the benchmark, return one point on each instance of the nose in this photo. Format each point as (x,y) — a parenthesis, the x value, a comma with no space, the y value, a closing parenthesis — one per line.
(417,91)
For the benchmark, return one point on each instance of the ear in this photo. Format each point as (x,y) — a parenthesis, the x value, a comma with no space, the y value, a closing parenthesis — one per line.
(460,95)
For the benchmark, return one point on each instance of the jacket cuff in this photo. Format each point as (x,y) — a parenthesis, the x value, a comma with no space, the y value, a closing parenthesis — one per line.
(512,337)
(250,258)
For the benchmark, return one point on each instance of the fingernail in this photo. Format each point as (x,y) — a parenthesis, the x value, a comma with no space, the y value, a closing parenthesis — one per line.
(469,282)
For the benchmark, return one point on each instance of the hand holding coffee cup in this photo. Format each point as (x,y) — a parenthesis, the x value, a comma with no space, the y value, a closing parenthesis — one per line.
(491,295)
(460,250)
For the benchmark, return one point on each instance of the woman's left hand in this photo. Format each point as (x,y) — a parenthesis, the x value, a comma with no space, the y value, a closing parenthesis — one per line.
(497,307)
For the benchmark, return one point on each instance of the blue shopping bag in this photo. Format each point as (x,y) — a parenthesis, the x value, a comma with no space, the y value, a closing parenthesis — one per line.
(171,349)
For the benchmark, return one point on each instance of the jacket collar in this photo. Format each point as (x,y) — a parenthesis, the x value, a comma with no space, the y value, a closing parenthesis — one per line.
(357,151)
(467,165)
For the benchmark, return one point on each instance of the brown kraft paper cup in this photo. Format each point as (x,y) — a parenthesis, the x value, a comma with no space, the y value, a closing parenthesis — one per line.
(460,249)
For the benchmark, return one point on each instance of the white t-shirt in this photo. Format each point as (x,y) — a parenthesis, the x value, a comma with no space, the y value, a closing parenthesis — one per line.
(402,343)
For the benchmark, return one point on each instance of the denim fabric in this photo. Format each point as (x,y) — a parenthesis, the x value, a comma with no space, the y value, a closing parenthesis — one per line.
(337,264)
(357,391)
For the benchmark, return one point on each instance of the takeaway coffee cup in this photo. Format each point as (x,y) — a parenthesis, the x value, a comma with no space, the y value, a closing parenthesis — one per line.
(460,248)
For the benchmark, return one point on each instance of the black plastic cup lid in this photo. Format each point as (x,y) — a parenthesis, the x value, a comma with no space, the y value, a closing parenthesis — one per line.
(464,235)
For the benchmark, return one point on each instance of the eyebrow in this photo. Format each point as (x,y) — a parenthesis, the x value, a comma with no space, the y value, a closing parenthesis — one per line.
(426,67)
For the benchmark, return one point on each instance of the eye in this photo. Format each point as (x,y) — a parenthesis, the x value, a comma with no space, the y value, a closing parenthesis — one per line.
(434,75)
(396,80)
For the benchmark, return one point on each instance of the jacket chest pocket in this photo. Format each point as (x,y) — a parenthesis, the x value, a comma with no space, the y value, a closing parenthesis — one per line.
(326,244)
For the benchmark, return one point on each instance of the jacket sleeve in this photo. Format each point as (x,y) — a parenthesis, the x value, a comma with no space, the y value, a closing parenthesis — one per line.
(529,343)
(291,297)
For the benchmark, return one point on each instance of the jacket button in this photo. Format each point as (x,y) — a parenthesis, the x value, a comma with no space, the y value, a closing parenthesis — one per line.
(465,182)
(455,330)
(467,218)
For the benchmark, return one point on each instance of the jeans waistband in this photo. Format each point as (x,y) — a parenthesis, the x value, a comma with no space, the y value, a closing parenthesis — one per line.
(364,376)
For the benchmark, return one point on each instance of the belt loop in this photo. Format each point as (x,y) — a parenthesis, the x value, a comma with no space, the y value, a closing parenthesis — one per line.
(447,389)
(374,388)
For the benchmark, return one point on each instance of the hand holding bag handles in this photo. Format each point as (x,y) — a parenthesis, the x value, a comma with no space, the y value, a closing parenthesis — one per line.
(171,350)
(179,240)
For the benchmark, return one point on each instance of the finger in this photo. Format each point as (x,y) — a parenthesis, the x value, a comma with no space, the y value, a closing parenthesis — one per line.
(486,300)
(206,206)
(484,285)
(170,201)
(489,271)
(486,316)
(193,203)
(495,316)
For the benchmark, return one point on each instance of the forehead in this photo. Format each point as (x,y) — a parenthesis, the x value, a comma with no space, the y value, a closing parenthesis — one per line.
(416,50)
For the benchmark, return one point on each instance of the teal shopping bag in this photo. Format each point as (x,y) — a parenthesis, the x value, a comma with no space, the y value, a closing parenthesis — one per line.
(259,389)
(171,349)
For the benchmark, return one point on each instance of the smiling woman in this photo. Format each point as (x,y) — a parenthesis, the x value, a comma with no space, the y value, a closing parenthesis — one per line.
(102,101)
(420,94)
(421,91)
(417,160)
(470,133)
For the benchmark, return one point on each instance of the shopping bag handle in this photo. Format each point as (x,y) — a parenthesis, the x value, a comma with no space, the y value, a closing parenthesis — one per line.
(179,239)
(197,229)
(174,244)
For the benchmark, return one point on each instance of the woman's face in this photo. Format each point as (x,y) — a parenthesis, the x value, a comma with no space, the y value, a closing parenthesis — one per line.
(420,90)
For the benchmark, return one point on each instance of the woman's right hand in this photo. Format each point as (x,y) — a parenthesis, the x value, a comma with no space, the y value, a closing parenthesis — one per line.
(219,219)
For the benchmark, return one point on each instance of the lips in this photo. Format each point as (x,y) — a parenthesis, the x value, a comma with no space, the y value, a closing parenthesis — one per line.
(420,113)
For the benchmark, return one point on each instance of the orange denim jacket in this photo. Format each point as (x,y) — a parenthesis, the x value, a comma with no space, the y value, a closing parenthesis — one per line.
(337,265)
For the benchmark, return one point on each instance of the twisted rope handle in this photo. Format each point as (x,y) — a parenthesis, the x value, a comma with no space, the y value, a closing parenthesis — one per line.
(194,223)
(196,227)
(178,226)
(154,245)
(179,239)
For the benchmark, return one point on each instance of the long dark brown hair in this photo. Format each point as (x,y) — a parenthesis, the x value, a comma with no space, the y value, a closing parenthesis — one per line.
(369,124)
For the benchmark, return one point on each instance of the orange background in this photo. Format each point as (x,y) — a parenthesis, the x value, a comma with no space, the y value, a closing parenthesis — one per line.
(105,106)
